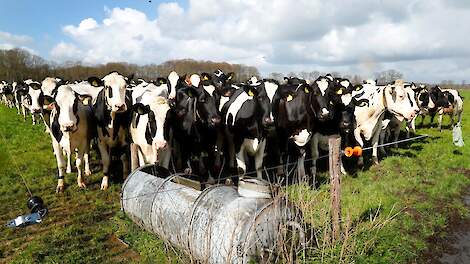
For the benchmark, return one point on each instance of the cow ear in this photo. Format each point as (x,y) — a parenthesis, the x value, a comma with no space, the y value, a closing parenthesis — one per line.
(231,76)
(35,86)
(141,109)
(51,106)
(129,79)
(192,92)
(23,92)
(85,99)
(357,87)
(161,81)
(205,76)
(95,81)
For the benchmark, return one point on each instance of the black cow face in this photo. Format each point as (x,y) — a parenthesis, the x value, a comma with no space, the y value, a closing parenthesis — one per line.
(321,98)
(449,97)
(264,106)
(438,97)
(290,104)
(195,104)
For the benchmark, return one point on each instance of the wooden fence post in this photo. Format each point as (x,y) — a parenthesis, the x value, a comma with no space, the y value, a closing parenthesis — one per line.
(334,143)
(134,157)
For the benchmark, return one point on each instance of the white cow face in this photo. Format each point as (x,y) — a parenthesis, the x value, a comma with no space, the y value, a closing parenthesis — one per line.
(156,109)
(37,97)
(66,107)
(115,86)
(398,102)
(48,85)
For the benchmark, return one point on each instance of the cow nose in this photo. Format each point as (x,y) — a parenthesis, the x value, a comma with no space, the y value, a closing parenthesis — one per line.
(120,107)
(215,120)
(268,121)
(68,127)
(159,144)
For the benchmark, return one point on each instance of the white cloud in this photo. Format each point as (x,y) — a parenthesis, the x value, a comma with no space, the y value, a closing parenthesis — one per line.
(10,41)
(357,36)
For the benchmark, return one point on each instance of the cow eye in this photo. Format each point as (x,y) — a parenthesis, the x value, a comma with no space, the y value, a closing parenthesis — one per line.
(110,92)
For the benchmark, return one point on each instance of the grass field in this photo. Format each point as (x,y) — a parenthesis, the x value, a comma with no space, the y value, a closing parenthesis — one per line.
(389,211)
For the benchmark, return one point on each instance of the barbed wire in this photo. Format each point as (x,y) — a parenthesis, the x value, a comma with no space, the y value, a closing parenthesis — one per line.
(266,169)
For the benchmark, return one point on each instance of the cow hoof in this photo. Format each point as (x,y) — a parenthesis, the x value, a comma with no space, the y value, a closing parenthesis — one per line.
(82,185)
(88,173)
(69,170)
(188,171)
(375,160)
(104,187)
(59,189)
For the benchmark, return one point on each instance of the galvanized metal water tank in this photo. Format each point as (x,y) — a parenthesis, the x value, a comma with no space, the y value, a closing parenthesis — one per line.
(218,225)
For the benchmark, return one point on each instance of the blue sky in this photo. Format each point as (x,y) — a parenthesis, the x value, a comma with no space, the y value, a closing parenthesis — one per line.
(426,40)
(43,20)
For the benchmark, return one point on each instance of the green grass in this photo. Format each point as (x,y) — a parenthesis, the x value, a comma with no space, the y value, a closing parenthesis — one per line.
(388,210)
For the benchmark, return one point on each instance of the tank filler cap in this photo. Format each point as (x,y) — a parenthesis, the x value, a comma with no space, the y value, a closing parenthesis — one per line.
(254,188)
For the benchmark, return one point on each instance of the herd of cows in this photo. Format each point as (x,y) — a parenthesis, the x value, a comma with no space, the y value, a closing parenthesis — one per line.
(204,123)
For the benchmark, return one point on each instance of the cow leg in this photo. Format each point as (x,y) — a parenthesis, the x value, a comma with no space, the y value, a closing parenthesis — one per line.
(23,110)
(375,143)
(60,166)
(396,135)
(165,156)
(69,166)
(78,163)
(382,137)
(86,158)
(357,136)
(439,120)
(315,154)
(301,165)
(106,161)
(33,117)
(125,164)
(241,163)
(259,156)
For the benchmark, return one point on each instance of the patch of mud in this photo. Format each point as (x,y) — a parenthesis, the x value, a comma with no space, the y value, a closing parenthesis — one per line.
(451,245)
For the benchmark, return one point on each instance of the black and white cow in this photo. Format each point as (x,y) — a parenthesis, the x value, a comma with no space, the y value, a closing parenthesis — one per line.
(31,98)
(431,102)
(392,97)
(391,125)
(148,127)
(71,131)
(6,94)
(335,101)
(48,86)
(247,114)
(194,121)
(455,108)
(293,120)
(112,116)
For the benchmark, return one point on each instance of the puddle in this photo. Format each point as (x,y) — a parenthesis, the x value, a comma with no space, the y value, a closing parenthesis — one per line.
(459,244)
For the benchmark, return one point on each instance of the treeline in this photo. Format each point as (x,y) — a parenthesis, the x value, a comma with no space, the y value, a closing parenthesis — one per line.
(382,77)
(19,64)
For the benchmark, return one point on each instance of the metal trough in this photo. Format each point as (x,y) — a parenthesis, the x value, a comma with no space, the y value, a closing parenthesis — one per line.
(218,225)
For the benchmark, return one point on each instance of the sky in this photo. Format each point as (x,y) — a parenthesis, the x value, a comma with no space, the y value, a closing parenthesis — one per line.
(426,40)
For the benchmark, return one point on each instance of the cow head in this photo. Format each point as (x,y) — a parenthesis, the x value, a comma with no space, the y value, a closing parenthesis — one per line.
(438,97)
(291,104)
(36,96)
(156,109)
(194,103)
(222,80)
(264,93)
(173,80)
(66,103)
(114,90)
(396,100)
(320,98)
